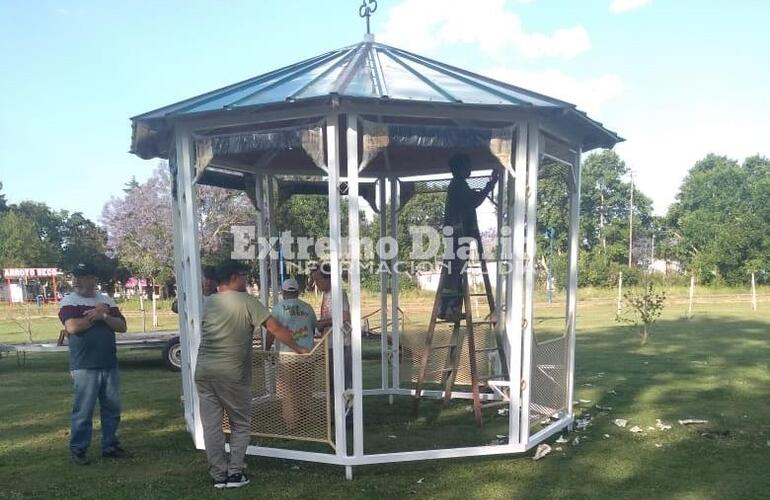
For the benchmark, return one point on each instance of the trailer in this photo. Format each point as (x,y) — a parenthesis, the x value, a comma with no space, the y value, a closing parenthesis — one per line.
(167,342)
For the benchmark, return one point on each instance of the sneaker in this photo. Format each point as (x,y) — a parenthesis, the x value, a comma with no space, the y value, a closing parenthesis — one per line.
(237,480)
(115,452)
(220,483)
(79,458)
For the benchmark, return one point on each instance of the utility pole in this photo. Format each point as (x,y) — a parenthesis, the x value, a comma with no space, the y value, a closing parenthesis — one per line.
(631,220)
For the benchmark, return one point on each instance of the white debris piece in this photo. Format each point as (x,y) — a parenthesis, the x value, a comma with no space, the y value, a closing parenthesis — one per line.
(583,423)
(660,425)
(693,421)
(658,445)
(469,409)
(650,428)
(562,439)
(588,385)
(613,392)
(419,481)
(558,448)
(585,401)
(576,441)
(391,436)
(295,467)
(603,408)
(636,429)
(503,411)
(606,436)
(620,422)
(542,450)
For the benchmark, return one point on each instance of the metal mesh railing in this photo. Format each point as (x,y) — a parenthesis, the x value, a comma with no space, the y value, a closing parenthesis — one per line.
(549,379)
(487,362)
(291,395)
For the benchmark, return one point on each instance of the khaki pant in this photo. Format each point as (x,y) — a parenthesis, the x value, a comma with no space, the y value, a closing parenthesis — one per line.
(215,398)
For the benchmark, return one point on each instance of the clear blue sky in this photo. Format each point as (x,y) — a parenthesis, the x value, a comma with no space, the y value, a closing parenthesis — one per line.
(678,79)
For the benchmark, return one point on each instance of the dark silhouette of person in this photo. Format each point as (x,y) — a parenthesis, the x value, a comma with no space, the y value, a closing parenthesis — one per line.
(460,215)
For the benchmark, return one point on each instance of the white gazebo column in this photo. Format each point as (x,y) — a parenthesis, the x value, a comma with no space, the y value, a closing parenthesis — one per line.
(384,355)
(335,237)
(515,288)
(188,267)
(272,231)
(574,239)
(530,249)
(264,293)
(394,286)
(355,284)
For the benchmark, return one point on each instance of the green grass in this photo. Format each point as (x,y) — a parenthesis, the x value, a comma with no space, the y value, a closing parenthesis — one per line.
(714,366)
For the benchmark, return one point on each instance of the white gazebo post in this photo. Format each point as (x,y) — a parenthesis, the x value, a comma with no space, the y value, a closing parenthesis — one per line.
(188,258)
(574,239)
(338,354)
(384,355)
(515,299)
(394,285)
(355,284)
(530,250)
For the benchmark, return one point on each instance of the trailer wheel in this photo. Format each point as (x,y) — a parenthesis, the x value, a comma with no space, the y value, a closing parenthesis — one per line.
(172,355)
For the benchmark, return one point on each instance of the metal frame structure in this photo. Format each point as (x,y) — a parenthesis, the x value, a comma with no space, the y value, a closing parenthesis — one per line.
(538,133)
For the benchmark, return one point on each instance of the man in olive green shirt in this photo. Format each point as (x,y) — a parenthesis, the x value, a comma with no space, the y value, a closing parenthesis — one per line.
(223,370)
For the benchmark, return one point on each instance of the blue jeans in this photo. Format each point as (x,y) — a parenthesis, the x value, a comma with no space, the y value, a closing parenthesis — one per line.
(90,385)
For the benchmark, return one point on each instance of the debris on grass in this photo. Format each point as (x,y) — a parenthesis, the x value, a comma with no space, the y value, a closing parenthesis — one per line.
(693,421)
(583,423)
(503,411)
(636,429)
(295,467)
(542,450)
(391,436)
(613,392)
(606,436)
(562,439)
(620,422)
(588,385)
(658,445)
(576,441)
(558,448)
(419,481)
(603,408)
(584,401)
(662,426)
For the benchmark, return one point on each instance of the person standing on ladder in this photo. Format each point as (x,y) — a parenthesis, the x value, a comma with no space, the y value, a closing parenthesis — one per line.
(460,215)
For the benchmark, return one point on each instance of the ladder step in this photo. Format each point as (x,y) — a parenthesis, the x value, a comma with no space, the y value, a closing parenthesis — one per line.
(487,349)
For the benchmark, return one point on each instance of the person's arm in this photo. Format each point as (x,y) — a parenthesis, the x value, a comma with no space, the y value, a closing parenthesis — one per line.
(76,326)
(283,334)
(109,314)
(269,339)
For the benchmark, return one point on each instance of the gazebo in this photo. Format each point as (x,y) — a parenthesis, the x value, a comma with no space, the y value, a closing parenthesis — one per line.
(364,120)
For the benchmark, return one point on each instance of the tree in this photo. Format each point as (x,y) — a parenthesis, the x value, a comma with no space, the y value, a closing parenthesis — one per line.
(139,229)
(84,241)
(3,202)
(645,309)
(20,242)
(720,218)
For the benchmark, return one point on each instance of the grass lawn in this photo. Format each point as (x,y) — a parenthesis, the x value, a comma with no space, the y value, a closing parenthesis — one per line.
(714,366)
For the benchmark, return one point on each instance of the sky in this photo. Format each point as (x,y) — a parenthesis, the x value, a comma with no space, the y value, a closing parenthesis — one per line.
(677,78)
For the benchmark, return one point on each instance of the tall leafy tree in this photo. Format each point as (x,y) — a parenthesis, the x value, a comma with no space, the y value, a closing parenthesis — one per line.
(720,218)
(21,244)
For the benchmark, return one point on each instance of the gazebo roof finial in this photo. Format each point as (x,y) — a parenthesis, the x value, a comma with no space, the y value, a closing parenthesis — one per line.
(367,8)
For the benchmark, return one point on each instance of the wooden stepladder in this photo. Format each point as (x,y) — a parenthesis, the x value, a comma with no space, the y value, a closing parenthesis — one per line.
(462,333)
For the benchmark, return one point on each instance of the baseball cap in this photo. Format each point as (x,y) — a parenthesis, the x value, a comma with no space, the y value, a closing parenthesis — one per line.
(83,269)
(290,285)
